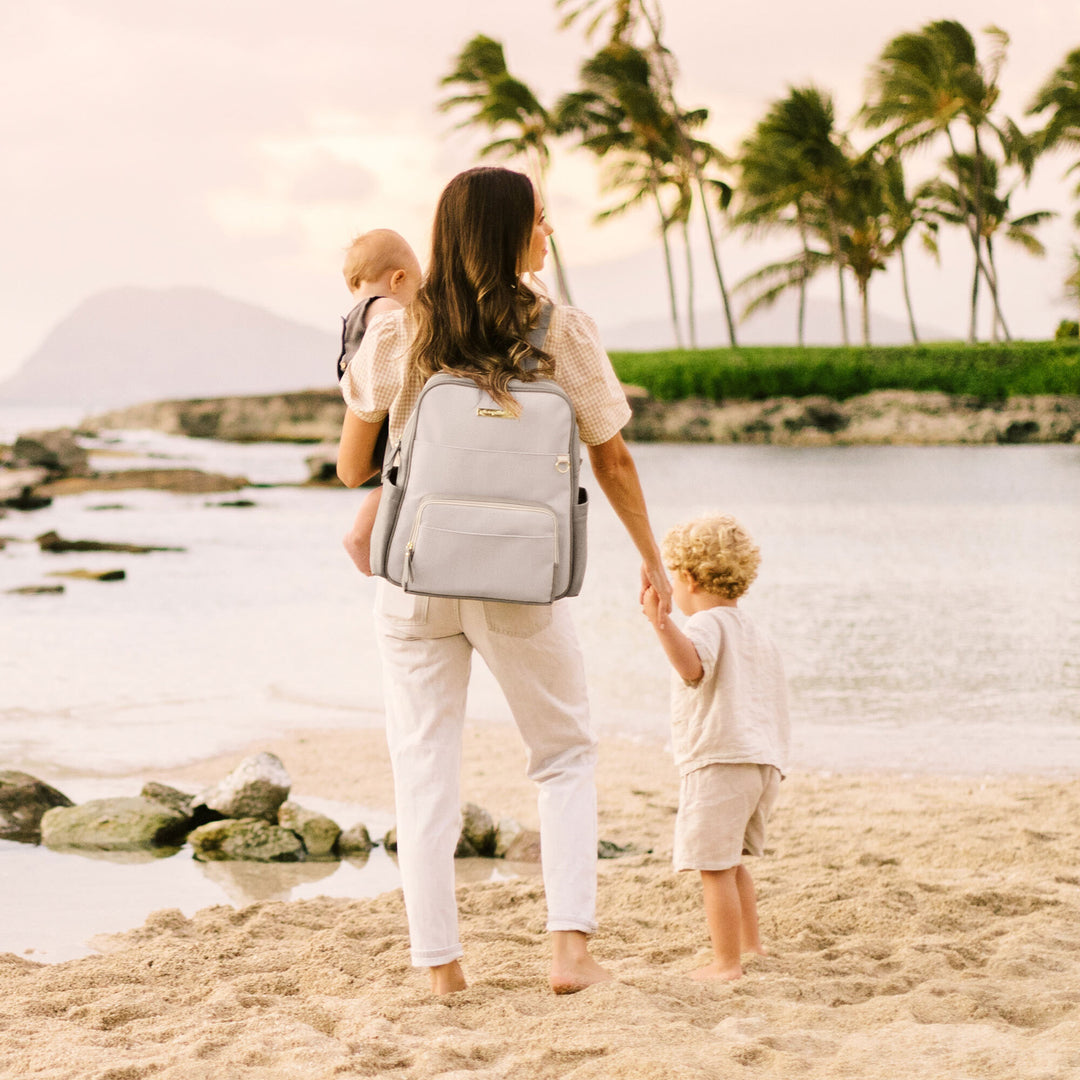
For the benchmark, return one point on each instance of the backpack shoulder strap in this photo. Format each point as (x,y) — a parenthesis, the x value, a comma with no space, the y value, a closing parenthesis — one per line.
(538,334)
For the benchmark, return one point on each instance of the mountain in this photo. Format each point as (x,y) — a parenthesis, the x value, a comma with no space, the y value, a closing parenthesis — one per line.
(773,326)
(130,345)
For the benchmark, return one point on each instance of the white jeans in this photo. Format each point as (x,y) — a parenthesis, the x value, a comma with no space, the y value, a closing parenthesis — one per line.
(426,646)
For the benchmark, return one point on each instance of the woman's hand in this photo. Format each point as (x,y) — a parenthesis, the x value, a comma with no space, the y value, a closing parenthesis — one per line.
(655,581)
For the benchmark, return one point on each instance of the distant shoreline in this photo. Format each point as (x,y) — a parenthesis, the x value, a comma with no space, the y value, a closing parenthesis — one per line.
(879,418)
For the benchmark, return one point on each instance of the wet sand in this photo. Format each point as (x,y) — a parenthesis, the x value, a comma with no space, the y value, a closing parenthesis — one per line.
(920,926)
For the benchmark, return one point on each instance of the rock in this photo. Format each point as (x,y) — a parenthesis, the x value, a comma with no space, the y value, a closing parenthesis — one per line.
(56,451)
(322,468)
(235,504)
(506,832)
(91,575)
(465,848)
(171,797)
(478,829)
(525,847)
(23,801)
(181,481)
(26,500)
(250,839)
(318,832)
(256,788)
(607,849)
(390,839)
(36,590)
(355,840)
(128,824)
(55,544)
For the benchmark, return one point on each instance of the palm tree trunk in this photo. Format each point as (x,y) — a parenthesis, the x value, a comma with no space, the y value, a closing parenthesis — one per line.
(864,302)
(670,271)
(834,242)
(973,329)
(993,270)
(907,295)
(537,170)
(716,264)
(691,316)
(801,324)
(975,240)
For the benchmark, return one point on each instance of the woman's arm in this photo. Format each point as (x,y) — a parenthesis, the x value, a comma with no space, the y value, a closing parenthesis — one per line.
(356,451)
(615,472)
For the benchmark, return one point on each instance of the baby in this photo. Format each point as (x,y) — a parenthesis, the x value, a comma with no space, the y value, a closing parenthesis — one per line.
(383,274)
(729,724)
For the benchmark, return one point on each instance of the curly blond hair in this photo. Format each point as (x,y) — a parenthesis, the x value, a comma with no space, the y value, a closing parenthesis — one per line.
(716,551)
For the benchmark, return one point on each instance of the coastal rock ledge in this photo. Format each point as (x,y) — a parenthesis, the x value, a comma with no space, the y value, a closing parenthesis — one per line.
(881,418)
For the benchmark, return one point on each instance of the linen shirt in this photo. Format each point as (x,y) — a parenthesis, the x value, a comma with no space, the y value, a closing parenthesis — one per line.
(379,381)
(737,712)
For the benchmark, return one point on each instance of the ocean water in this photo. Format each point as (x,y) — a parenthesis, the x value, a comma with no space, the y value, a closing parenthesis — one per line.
(926,600)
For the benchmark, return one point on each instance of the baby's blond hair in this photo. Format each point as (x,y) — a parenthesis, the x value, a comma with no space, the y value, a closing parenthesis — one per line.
(716,551)
(373,253)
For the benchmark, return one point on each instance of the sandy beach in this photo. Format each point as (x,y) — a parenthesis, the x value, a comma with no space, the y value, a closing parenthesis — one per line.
(920,926)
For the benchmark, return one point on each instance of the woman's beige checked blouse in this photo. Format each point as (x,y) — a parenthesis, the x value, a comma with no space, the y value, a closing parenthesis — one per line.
(378,383)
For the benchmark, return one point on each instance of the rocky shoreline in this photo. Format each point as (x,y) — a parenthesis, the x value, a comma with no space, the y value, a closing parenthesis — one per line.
(881,418)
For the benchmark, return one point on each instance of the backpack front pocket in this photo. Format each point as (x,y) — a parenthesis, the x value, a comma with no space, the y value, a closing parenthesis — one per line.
(490,549)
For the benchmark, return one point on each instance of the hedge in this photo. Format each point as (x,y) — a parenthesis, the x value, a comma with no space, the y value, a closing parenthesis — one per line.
(988,372)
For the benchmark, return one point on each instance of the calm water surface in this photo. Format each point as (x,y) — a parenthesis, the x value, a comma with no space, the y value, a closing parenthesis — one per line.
(926,601)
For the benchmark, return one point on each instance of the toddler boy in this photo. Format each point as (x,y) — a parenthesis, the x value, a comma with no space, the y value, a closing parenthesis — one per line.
(729,723)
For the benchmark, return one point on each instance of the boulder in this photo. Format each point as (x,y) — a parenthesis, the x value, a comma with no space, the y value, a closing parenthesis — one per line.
(128,824)
(355,840)
(465,849)
(256,788)
(249,839)
(23,802)
(318,832)
(15,483)
(36,590)
(53,543)
(478,829)
(91,575)
(525,847)
(56,451)
(506,832)
(389,841)
(173,798)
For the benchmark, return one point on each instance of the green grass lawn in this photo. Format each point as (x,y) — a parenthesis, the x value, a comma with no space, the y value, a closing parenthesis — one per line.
(989,372)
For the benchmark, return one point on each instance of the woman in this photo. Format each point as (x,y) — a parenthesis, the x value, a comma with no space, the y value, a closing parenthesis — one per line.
(472,314)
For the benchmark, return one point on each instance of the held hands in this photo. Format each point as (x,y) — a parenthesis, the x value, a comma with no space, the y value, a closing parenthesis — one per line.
(658,607)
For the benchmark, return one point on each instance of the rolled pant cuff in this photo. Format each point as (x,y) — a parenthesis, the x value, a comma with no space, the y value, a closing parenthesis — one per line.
(579,925)
(435,957)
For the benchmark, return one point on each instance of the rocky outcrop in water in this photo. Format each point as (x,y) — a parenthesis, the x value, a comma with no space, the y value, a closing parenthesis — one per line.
(24,801)
(125,824)
(256,788)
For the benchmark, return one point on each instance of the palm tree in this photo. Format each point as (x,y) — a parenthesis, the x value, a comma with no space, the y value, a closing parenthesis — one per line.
(618,117)
(694,156)
(1059,96)
(795,170)
(951,201)
(922,85)
(501,103)
(905,213)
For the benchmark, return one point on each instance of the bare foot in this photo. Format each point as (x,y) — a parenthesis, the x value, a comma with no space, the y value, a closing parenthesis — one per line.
(569,978)
(757,950)
(572,968)
(447,979)
(715,971)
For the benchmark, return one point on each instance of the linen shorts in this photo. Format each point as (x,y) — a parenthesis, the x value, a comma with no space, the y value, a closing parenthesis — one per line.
(723,810)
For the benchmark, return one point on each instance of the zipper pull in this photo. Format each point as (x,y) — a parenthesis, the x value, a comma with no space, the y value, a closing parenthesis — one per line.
(406,572)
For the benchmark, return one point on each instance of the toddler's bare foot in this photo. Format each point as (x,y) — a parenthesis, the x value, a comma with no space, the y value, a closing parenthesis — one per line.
(757,950)
(715,971)
(447,979)
(570,976)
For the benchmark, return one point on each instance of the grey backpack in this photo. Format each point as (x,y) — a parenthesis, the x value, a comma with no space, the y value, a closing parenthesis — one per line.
(478,504)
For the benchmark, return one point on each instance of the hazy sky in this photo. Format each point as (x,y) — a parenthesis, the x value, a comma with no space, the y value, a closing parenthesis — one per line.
(239,145)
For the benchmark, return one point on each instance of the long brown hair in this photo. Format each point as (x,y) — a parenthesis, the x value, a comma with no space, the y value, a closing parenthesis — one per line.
(473,310)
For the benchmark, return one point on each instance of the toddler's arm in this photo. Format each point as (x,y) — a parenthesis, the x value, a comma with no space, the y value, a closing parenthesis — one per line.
(679,648)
